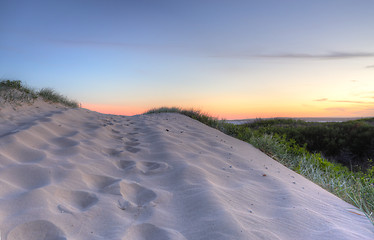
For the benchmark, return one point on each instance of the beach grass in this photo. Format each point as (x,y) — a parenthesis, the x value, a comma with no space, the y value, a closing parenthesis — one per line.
(50,95)
(16,92)
(356,188)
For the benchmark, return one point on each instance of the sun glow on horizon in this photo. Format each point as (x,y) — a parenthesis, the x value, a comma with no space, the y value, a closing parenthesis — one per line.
(344,110)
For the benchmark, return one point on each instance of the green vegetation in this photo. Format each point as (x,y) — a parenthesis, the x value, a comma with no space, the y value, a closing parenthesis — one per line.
(356,187)
(194,114)
(349,143)
(15,92)
(50,95)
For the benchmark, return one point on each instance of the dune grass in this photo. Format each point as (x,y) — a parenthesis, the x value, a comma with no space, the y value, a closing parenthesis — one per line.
(356,188)
(50,95)
(15,92)
(194,114)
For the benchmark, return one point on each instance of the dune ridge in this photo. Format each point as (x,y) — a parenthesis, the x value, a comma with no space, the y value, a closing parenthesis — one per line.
(77,174)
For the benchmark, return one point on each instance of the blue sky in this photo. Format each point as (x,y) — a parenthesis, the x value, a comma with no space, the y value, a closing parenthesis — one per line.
(233,59)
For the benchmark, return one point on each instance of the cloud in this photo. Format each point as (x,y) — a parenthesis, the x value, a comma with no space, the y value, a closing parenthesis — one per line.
(370,66)
(347,101)
(325,56)
(336,109)
(90,43)
(343,101)
(321,100)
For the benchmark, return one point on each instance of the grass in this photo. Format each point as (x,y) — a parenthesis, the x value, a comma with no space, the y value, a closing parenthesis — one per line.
(356,188)
(15,92)
(194,114)
(49,95)
(350,143)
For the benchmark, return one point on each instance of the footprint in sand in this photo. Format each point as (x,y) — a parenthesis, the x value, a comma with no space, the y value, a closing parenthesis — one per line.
(80,200)
(65,152)
(116,137)
(36,230)
(112,152)
(137,194)
(125,164)
(23,154)
(115,131)
(132,149)
(64,146)
(132,144)
(133,139)
(150,231)
(144,167)
(152,167)
(99,182)
(26,176)
(64,142)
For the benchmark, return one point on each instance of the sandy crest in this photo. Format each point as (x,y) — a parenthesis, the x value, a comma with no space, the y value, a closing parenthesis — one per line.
(76,174)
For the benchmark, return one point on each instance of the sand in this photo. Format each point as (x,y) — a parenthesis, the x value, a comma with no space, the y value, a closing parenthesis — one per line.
(76,174)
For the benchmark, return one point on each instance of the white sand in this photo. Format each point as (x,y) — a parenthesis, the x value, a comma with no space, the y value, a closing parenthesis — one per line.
(76,174)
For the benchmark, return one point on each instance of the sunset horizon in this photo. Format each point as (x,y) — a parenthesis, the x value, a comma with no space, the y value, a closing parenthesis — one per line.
(221,114)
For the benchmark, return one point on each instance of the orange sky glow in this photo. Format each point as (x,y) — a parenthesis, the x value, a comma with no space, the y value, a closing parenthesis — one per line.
(260,111)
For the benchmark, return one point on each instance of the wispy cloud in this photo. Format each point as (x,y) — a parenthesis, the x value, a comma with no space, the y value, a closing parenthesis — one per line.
(343,101)
(338,109)
(321,100)
(370,66)
(290,55)
(99,44)
(347,101)
(326,56)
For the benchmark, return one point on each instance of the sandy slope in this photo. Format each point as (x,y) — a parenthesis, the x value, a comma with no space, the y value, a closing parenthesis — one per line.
(76,174)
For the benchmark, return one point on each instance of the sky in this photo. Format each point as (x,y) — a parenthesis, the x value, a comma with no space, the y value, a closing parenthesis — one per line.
(232,59)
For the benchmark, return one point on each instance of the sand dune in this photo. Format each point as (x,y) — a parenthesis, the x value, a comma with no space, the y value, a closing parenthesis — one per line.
(77,174)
